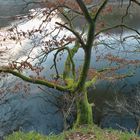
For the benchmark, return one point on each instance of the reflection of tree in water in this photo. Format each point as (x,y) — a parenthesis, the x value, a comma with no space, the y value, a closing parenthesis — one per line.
(68,84)
(35,108)
(126,105)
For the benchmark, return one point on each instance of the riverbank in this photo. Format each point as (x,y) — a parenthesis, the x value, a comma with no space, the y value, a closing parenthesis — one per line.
(82,133)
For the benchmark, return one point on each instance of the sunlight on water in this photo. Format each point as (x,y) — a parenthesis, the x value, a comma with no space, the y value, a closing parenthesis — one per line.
(121,44)
(20,47)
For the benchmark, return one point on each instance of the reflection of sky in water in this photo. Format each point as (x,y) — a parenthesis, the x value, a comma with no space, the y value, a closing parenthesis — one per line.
(128,48)
(20,48)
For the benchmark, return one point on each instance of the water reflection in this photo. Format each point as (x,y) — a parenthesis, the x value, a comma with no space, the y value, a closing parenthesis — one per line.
(10,10)
(103,90)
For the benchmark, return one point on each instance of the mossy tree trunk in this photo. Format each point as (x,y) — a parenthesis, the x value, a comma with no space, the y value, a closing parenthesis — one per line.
(84,110)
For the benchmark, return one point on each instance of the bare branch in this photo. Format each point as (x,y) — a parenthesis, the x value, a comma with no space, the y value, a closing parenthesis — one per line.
(100,9)
(117,26)
(74,32)
(84,10)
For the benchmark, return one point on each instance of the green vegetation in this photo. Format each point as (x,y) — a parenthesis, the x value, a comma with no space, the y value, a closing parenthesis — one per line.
(81,133)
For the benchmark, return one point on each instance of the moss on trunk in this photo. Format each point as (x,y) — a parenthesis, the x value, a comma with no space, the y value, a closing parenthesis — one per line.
(84,110)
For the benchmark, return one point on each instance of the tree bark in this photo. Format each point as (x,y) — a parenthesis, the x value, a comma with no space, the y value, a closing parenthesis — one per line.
(84,110)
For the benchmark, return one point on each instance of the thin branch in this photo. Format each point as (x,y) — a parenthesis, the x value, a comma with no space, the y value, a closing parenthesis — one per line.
(84,10)
(74,32)
(127,11)
(71,60)
(117,26)
(100,9)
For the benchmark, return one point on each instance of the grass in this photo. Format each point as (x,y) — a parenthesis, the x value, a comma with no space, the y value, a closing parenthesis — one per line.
(82,133)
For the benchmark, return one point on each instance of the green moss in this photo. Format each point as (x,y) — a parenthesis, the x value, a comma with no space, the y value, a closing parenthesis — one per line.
(91,82)
(69,63)
(84,110)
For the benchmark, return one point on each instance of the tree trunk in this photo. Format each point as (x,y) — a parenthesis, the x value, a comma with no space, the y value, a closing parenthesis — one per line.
(84,110)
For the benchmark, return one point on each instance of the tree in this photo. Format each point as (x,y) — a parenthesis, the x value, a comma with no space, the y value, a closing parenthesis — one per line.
(70,81)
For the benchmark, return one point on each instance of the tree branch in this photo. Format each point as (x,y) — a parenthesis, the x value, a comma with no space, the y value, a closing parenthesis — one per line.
(100,9)
(117,26)
(136,1)
(33,80)
(74,32)
(84,10)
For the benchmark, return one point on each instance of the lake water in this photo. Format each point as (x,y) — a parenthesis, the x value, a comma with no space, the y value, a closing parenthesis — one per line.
(104,91)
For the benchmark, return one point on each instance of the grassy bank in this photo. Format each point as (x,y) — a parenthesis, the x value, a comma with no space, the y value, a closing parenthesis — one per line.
(82,133)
